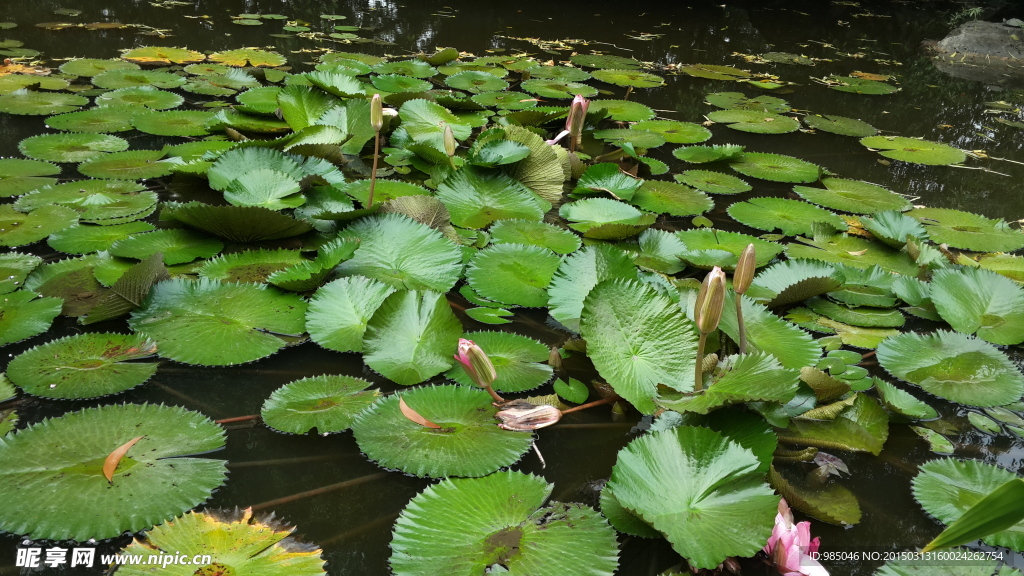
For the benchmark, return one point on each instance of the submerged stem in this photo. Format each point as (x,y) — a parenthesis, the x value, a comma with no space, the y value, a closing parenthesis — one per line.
(608,400)
(318,491)
(238,419)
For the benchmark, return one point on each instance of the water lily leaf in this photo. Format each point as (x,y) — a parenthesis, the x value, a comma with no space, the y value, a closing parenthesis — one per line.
(768,333)
(714,72)
(671,198)
(471,524)
(754,377)
(327,403)
(914,150)
(262,100)
(623,520)
(954,366)
(606,177)
(840,125)
(536,234)
(968,231)
(862,426)
(469,442)
(860,85)
(673,131)
(947,488)
(128,165)
(497,152)
(793,281)
(514,274)
(339,311)
(14,82)
(604,218)
(476,81)
(71,147)
(98,201)
(30,103)
(266,188)
(403,253)
(237,163)
(517,360)
(713,182)
(477,197)
(67,485)
(578,274)
(558,89)
(853,252)
(23,315)
(871,287)
(337,83)
(411,337)
(14,268)
(176,244)
(708,248)
(1005,264)
(88,239)
(776,167)
(174,123)
(755,121)
(93,66)
(18,229)
(102,119)
(792,217)
(163,55)
(737,101)
(857,316)
(112,79)
(413,68)
(637,340)
(248,123)
(984,424)
(936,442)
(831,503)
(630,78)
(699,489)
(976,301)
(636,138)
(605,61)
(236,223)
(97,365)
(249,57)
(302,106)
(624,110)
(849,335)
(395,83)
(853,196)
(506,100)
(213,324)
(231,540)
(18,176)
(250,266)
(541,171)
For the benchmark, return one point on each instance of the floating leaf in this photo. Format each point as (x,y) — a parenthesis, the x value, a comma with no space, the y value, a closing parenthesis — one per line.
(936,442)
(755,121)
(18,229)
(605,61)
(637,340)
(750,378)
(468,443)
(249,266)
(914,150)
(860,85)
(853,196)
(840,125)
(768,333)
(163,55)
(248,57)
(236,223)
(517,361)
(792,217)
(976,301)
(477,197)
(776,167)
(93,66)
(30,103)
(326,403)
(699,489)
(861,426)
(707,248)
(70,147)
(541,171)
(670,198)
(636,138)
(853,252)
(578,274)
(604,218)
(129,165)
(953,366)
(18,176)
(177,246)
(67,484)
(174,123)
(558,89)
(15,267)
(515,274)
(411,337)
(623,110)
(112,79)
(793,281)
(831,503)
(713,182)
(23,315)
(413,68)
(714,72)
(475,81)
(968,231)
(214,324)
(506,100)
(857,316)
(103,119)
(736,100)
(339,311)
(673,131)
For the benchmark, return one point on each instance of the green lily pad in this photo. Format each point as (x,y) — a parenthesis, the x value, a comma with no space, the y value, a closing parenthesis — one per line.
(249,57)
(468,442)
(793,281)
(541,171)
(413,68)
(339,311)
(776,167)
(23,315)
(214,324)
(18,176)
(250,266)
(860,426)
(477,197)
(15,267)
(174,123)
(411,337)
(30,103)
(637,340)
(624,110)
(674,132)
(1006,265)
(461,527)
(558,89)
(163,55)
(83,366)
(489,315)
(397,83)
(853,252)
(701,490)
(578,274)
(262,100)
(671,198)
(607,178)
(860,85)
(637,138)
(862,316)
(954,366)
(177,245)
(128,165)
(853,196)
(914,150)
(755,121)
(793,347)
(63,496)
(737,101)
(113,79)
(840,125)
(327,403)
(714,72)
(713,182)
(236,223)
(708,248)
(936,442)
(704,154)
(605,61)
(70,147)
(754,377)
(97,201)
(536,234)
(476,81)
(513,274)
(605,219)
(517,360)
(976,301)
(92,66)
(103,119)
(792,217)
(832,503)
(968,231)
(86,239)
(505,100)
(18,229)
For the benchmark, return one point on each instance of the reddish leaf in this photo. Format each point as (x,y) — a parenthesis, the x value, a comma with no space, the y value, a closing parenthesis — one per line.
(414,415)
(114,458)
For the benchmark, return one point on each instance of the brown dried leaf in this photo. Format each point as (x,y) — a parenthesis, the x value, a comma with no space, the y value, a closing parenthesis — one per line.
(114,458)
(414,415)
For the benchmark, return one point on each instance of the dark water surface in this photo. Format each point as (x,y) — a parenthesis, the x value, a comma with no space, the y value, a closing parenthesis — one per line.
(353,516)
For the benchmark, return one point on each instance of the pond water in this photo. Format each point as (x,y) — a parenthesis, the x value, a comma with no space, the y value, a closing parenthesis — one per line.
(353,511)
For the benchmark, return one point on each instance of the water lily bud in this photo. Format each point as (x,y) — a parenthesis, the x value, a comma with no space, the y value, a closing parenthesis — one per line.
(710,301)
(745,270)
(376,113)
(476,363)
(577,116)
(449,140)
(555,359)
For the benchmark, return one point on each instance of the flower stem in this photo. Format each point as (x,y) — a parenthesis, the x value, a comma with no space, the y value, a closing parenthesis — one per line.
(373,174)
(742,325)
(493,393)
(698,371)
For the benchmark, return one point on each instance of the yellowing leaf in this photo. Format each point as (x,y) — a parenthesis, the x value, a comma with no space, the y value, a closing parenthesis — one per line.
(114,458)
(414,415)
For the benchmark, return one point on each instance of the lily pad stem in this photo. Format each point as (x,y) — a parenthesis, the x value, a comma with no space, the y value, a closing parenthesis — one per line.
(238,419)
(608,400)
(742,325)
(698,371)
(613,155)
(373,174)
(629,90)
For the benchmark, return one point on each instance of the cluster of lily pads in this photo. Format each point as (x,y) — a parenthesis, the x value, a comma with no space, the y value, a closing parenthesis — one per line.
(257,232)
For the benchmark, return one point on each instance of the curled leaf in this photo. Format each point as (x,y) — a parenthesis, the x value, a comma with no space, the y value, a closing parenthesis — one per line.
(114,458)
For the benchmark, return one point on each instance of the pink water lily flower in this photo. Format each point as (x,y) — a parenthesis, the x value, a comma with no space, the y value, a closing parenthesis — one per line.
(478,366)
(790,546)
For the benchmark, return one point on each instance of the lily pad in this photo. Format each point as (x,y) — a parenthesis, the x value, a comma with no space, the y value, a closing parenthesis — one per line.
(701,490)
(860,85)
(853,196)
(776,167)
(15,267)
(327,403)
(236,223)
(339,311)
(556,89)
(128,165)
(250,266)
(954,366)
(64,495)
(476,81)
(102,119)
(674,132)
(704,154)
(411,337)
(792,217)
(755,121)
(968,231)
(177,245)
(23,315)
(413,68)
(708,248)
(517,360)
(793,347)
(914,150)
(477,197)
(840,125)
(637,138)
(605,219)
(92,66)
(624,110)
(976,301)
(671,198)
(714,72)
(70,147)
(163,55)
(736,100)
(605,61)
(112,79)
(83,366)
(860,426)
(174,123)
(468,442)
(86,239)
(18,176)
(793,281)
(513,274)
(248,57)
(505,100)
(18,229)
(461,527)
(852,251)
(30,103)
(213,324)
(713,182)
